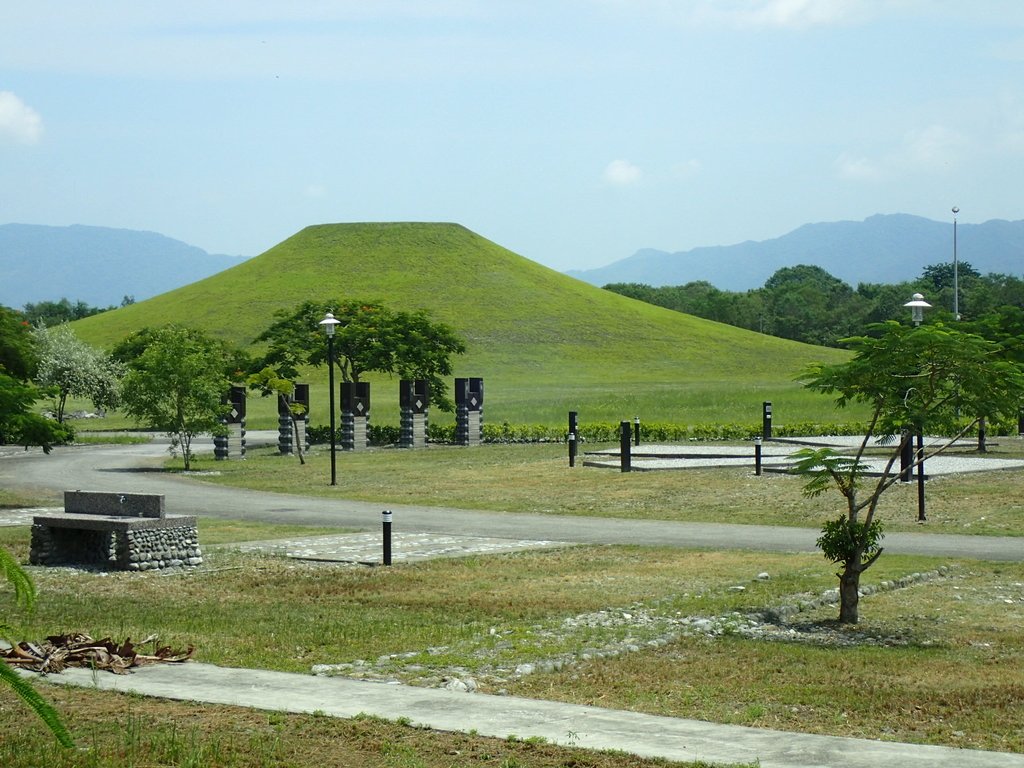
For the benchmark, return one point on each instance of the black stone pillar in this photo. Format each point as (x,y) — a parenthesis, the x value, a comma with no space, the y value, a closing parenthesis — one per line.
(232,444)
(301,397)
(469,408)
(414,400)
(355,416)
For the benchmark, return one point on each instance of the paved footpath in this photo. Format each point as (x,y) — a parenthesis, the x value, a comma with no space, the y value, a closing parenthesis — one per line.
(125,469)
(502,716)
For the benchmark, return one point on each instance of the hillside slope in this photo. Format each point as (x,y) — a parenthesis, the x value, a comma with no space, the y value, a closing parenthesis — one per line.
(544,342)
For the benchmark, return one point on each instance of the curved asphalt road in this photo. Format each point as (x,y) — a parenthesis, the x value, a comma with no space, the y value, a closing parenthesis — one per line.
(122,469)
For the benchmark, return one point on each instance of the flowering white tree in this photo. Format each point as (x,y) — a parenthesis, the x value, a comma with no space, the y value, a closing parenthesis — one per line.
(72,368)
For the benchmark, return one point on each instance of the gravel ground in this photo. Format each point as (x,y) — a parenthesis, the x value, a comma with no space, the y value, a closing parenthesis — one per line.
(616,631)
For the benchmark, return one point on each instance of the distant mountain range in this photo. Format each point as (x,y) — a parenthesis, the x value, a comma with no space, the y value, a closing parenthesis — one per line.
(97,265)
(100,265)
(881,249)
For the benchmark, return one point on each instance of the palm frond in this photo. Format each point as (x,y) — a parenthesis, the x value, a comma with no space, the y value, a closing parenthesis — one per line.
(27,693)
(24,589)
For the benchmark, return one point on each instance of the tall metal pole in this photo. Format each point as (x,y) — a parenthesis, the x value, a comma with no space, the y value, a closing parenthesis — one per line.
(956,271)
(328,323)
(920,477)
(330,378)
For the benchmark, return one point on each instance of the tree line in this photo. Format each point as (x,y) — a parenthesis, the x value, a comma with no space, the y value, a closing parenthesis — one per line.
(806,303)
(175,379)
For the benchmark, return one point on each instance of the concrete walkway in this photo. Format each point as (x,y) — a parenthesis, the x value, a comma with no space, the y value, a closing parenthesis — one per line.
(503,716)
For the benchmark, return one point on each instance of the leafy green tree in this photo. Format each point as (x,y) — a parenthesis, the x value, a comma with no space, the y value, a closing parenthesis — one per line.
(49,313)
(806,303)
(74,369)
(369,337)
(25,597)
(235,361)
(268,383)
(17,348)
(915,380)
(19,423)
(176,385)
(885,301)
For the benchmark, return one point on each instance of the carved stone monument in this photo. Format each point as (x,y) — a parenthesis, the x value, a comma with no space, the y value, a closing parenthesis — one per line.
(469,411)
(232,444)
(355,415)
(414,400)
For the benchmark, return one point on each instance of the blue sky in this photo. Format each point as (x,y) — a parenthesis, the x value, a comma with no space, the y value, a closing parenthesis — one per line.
(573,132)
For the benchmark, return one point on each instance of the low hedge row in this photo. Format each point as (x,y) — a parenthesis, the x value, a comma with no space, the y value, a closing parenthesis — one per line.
(609,432)
(601,432)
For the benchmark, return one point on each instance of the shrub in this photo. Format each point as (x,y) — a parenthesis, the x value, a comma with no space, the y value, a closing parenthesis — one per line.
(609,432)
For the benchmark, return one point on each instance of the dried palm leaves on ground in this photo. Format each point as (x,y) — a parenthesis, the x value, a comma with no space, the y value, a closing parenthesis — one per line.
(79,650)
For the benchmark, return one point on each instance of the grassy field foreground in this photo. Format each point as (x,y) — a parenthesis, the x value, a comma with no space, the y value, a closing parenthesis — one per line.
(936,662)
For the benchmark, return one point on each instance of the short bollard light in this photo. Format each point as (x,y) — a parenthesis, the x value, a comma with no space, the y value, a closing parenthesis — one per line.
(573,431)
(757,456)
(636,430)
(625,461)
(386,518)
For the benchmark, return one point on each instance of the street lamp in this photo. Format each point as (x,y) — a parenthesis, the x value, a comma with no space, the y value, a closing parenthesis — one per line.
(917,306)
(328,323)
(956,271)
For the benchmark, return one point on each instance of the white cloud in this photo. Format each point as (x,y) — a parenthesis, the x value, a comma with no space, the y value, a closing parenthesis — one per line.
(785,14)
(933,149)
(18,121)
(686,170)
(622,173)
(852,168)
(934,145)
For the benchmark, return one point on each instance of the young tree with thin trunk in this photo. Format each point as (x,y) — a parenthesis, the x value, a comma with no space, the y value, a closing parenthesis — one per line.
(931,379)
(177,386)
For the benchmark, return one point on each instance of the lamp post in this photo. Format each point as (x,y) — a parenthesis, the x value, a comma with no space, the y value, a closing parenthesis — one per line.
(956,271)
(328,323)
(917,306)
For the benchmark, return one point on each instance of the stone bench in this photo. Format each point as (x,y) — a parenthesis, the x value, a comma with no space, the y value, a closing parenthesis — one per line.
(120,531)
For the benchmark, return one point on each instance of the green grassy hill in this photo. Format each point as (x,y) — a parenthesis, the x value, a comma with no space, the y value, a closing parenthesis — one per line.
(545,343)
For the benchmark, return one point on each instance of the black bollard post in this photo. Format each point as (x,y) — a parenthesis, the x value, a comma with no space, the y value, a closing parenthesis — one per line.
(572,438)
(766,420)
(386,516)
(636,431)
(757,456)
(907,459)
(624,454)
(920,478)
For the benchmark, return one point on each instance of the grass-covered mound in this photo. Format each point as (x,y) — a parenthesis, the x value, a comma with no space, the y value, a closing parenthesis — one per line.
(544,342)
